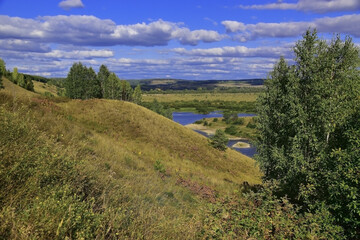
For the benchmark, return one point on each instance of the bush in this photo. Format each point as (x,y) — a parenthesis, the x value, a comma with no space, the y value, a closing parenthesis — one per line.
(232,130)
(263,216)
(215,119)
(219,140)
(239,121)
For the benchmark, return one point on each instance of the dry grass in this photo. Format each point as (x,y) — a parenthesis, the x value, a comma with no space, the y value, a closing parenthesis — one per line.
(41,88)
(118,143)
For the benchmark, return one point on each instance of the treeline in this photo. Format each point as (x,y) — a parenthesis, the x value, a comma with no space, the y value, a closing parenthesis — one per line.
(23,80)
(257,89)
(205,106)
(83,83)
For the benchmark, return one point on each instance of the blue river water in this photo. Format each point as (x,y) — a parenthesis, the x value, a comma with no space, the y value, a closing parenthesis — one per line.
(185,118)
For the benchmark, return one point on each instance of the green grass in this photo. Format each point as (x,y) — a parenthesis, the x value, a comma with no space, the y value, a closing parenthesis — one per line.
(86,169)
(237,97)
(241,130)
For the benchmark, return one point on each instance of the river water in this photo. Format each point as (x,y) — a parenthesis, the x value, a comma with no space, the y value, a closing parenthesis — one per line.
(185,118)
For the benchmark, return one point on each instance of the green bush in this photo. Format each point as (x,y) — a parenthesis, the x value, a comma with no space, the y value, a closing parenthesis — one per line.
(219,140)
(263,216)
(238,121)
(232,130)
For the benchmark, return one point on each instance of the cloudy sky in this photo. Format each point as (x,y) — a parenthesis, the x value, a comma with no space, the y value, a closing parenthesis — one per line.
(188,39)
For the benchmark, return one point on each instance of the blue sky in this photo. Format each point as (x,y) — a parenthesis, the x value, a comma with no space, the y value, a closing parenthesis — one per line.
(198,39)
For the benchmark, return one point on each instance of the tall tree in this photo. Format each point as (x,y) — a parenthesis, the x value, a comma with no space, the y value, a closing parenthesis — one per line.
(15,75)
(112,87)
(82,83)
(136,97)
(2,71)
(126,91)
(301,116)
(102,76)
(21,80)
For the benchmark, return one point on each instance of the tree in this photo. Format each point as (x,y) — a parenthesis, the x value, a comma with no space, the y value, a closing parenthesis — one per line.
(15,75)
(102,76)
(82,83)
(28,83)
(92,84)
(219,140)
(302,115)
(136,97)
(2,71)
(21,80)
(112,87)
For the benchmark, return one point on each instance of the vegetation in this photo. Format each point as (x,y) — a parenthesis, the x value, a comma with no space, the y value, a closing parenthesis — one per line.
(189,97)
(84,83)
(219,140)
(2,72)
(309,129)
(160,86)
(237,128)
(160,109)
(22,80)
(96,175)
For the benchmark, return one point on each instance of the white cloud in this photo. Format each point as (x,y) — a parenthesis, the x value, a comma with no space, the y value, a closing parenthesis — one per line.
(68,4)
(92,31)
(346,24)
(238,51)
(319,6)
(23,45)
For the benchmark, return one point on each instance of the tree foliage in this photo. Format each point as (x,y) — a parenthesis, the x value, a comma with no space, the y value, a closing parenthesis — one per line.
(302,114)
(219,140)
(2,71)
(137,95)
(84,83)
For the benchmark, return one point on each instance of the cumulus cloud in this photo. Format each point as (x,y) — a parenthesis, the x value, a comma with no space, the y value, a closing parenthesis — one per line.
(68,4)
(347,24)
(319,6)
(92,31)
(237,51)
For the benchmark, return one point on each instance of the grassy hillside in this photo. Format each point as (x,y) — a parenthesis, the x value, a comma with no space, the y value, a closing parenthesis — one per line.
(106,169)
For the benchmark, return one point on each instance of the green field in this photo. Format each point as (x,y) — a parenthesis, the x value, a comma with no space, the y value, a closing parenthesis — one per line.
(236,97)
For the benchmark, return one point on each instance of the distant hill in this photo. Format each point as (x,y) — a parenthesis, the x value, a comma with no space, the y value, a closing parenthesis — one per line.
(179,84)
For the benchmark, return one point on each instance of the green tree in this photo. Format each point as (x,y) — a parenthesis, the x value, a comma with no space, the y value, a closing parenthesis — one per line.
(136,97)
(14,75)
(160,109)
(112,87)
(219,140)
(28,83)
(21,80)
(2,71)
(126,91)
(102,77)
(82,83)
(92,84)
(301,115)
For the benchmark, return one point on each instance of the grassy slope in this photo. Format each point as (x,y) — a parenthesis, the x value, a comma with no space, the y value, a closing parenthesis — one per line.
(115,145)
(40,87)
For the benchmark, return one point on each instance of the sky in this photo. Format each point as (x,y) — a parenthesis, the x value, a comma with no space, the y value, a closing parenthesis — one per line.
(187,39)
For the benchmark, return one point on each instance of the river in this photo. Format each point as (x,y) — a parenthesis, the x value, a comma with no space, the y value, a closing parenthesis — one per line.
(185,118)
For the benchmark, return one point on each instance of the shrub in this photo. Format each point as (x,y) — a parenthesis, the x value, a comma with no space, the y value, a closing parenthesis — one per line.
(232,130)
(219,140)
